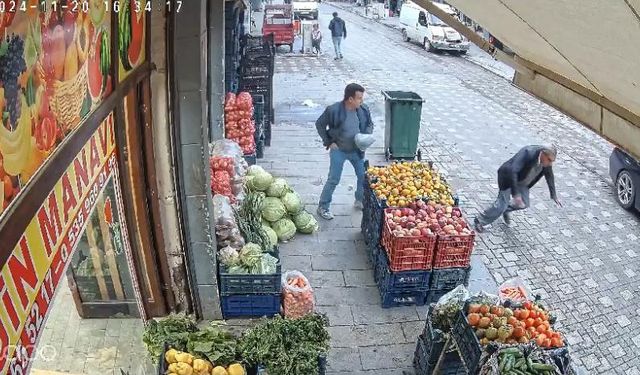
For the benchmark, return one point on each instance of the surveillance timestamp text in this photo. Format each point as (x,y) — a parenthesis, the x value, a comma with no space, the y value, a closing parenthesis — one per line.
(85,6)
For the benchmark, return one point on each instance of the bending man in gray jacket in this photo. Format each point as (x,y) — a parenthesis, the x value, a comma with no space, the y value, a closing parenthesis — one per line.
(515,177)
(338,126)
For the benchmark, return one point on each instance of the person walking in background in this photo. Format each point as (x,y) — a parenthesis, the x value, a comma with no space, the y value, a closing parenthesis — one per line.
(515,177)
(339,126)
(316,39)
(338,32)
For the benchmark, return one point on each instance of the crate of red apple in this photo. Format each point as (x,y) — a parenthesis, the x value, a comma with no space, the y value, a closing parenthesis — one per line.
(439,231)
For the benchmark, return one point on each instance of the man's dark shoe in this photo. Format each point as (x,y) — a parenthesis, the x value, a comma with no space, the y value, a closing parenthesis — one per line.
(507,218)
(477,226)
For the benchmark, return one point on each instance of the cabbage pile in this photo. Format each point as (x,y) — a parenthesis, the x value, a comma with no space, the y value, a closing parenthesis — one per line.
(250,259)
(283,213)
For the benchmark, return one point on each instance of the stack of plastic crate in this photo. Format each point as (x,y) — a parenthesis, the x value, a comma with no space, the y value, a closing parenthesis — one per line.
(249,295)
(256,74)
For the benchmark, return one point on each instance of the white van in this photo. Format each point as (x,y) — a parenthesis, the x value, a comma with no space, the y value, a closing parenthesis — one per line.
(305,9)
(422,27)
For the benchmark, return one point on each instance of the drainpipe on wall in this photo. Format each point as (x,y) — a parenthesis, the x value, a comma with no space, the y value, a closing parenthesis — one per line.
(190,115)
(165,166)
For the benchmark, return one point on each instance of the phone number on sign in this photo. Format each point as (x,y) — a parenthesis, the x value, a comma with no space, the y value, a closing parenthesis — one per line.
(86,6)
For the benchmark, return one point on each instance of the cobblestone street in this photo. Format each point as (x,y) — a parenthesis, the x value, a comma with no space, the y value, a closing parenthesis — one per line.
(580,258)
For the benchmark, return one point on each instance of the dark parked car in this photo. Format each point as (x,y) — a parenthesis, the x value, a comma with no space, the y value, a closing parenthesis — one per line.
(625,174)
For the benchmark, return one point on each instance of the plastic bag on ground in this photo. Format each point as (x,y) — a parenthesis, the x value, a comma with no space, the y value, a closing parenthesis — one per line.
(458,295)
(514,290)
(298,298)
(446,309)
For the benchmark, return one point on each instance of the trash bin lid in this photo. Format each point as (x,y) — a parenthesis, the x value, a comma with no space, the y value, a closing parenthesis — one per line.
(364,141)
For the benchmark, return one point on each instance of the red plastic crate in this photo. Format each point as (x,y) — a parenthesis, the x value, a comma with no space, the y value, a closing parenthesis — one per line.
(453,251)
(407,253)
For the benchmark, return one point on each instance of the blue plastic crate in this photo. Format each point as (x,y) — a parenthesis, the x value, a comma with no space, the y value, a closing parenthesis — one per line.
(449,278)
(405,281)
(395,299)
(246,306)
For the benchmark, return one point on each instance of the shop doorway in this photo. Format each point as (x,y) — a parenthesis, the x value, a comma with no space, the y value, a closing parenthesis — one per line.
(99,276)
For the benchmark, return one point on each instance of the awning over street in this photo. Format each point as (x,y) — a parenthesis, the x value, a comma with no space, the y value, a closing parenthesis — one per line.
(593,43)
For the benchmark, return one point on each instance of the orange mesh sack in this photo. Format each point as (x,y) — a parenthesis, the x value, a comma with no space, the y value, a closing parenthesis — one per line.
(297,294)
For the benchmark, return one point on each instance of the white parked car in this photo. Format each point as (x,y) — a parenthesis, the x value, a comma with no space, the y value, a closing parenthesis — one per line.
(420,26)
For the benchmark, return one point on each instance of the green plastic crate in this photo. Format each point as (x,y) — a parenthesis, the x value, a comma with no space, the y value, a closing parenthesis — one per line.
(403,111)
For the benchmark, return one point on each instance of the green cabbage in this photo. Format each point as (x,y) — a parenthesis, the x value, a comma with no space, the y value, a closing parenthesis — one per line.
(278,188)
(268,264)
(254,170)
(250,255)
(292,202)
(305,222)
(273,209)
(285,229)
(273,237)
(261,181)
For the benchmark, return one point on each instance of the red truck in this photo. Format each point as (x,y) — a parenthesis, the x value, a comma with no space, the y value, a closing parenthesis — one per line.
(278,20)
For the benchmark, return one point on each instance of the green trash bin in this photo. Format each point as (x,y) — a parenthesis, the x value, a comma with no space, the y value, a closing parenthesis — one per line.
(402,124)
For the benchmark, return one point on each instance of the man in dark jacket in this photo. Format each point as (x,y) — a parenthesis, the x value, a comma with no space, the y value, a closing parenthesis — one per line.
(338,32)
(515,177)
(338,126)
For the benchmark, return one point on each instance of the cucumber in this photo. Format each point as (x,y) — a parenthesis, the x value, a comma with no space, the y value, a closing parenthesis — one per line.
(509,363)
(521,364)
(542,367)
(511,351)
(503,361)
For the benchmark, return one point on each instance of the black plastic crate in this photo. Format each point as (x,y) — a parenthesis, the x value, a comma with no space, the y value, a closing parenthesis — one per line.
(395,299)
(250,159)
(449,278)
(425,360)
(404,281)
(467,342)
(374,253)
(250,305)
(372,213)
(267,133)
(258,107)
(260,149)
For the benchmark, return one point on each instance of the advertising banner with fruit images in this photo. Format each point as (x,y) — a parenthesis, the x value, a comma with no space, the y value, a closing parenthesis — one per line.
(30,276)
(131,36)
(55,65)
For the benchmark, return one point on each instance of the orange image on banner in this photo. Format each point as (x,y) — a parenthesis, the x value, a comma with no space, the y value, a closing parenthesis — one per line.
(30,276)
(55,66)
(131,37)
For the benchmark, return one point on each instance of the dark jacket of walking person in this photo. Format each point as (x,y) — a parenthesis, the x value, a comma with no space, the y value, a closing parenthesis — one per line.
(338,32)
(515,177)
(338,126)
